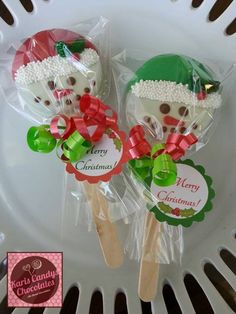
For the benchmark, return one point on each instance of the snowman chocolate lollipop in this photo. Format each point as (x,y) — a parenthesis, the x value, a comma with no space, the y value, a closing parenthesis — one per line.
(173,93)
(52,69)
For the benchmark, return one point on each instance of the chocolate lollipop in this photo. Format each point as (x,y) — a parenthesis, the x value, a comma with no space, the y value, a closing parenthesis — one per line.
(53,68)
(169,94)
(173,93)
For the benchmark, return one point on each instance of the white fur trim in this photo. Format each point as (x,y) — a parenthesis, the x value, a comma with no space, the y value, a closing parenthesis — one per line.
(172,92)
(53,66)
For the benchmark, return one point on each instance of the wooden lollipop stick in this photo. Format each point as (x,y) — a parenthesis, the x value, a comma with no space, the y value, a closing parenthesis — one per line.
(149,269)
(107,232)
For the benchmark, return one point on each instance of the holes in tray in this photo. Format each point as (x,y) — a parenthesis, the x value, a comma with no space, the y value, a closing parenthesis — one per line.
(28,5)
(146,307)
(96,304)
(171,303)
(70,301)
(3,268)
(229,259)
(196,3)
(218,9)
(197,295)
(36,310)
(221,285)
(120,304)
(231,29)
(5,14)
(3,307)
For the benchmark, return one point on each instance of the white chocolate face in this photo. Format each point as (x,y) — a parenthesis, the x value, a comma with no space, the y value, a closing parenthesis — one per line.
(158,116)
(46,97)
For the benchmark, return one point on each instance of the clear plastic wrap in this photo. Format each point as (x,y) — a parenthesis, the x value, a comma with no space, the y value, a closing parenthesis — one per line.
(169,96)
(47,73)
(153,241)
(59,78)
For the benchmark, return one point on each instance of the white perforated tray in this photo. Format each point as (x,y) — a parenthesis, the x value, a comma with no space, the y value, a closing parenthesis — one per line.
(30,188)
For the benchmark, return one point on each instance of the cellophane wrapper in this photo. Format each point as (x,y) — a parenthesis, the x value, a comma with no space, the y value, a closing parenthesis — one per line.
(45,75)
(165,94)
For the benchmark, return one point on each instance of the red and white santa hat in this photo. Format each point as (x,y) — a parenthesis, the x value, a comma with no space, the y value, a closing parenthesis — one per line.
(37,58)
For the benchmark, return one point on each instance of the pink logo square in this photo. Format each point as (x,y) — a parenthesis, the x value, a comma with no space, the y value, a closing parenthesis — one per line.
(34,279)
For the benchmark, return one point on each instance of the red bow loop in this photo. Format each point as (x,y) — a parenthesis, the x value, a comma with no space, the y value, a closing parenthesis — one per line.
(177,144)
(92,108)
(95,111)
(138,146)
(54,127)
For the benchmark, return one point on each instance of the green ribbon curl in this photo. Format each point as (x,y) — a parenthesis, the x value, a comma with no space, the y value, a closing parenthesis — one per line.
(75,147)
(40,139)
(163,169)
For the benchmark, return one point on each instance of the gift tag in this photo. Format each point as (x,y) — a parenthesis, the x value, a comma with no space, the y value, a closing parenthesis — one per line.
(104,159)
(188,199)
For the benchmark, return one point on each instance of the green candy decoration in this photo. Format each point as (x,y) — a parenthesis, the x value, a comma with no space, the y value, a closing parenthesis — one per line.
(65,49)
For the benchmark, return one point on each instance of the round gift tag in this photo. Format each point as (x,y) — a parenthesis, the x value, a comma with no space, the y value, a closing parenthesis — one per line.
(103,160)
(188,199)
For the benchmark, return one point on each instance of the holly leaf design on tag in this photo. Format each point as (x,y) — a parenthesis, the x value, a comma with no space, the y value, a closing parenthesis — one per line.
(165,208)
(188,212)
(108,131)
(117,143)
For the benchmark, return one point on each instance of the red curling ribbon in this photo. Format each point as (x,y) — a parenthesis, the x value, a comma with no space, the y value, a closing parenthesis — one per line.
(54,128)
(176,145)
(138,146)
(95,111)
(94,115)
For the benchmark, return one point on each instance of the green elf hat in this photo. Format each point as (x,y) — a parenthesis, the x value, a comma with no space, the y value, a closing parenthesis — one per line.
(176,78)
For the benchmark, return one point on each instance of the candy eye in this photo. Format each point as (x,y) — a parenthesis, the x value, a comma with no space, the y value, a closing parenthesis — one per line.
(147,119)
(68,102)
(164,108)
(37,99)
(47,102)
(164,129)
(87,90)
(51,85)
(183,111)
(182,130)
(195,126)
(71,80)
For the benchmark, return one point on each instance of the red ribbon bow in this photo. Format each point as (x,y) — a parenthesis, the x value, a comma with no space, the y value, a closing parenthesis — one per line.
(177,144)
(94,114)
(138,146)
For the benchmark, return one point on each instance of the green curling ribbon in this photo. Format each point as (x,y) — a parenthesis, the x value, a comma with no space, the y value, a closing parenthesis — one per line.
(65,49)
(141,167)
(40,139)
(75,147)
(164,171)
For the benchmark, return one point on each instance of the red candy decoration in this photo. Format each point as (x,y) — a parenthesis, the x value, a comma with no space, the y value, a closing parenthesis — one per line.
(201,95)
